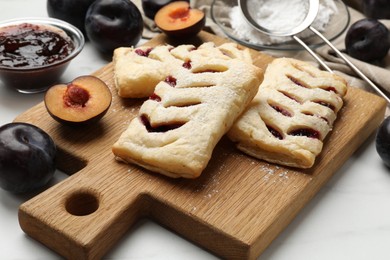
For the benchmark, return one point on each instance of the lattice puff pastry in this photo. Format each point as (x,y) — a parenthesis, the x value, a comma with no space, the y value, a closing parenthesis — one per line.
(137,71)
(291,114)
(187,114)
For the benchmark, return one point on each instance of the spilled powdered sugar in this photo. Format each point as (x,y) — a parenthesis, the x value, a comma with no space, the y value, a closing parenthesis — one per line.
(279,14)
(271,172)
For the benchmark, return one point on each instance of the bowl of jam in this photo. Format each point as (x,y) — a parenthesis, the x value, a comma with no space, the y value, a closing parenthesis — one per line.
(35,52)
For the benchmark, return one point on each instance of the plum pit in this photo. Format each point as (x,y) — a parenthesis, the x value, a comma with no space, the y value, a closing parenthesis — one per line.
(76,96)
(180,13)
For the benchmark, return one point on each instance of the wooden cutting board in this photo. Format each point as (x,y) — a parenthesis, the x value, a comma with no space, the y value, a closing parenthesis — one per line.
(235,209)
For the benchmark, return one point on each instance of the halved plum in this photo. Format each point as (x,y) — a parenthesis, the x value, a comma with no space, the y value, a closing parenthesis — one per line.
(84,100)
(179,20)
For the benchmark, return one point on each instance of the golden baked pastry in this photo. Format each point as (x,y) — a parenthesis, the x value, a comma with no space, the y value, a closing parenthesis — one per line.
(190,110)
(137,71)
(293,111)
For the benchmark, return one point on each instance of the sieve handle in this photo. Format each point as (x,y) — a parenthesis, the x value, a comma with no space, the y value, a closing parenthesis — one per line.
(353,67)
(312,53)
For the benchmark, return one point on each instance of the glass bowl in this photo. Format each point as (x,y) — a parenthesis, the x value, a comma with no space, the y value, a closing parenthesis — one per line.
(38,78)
(220,14)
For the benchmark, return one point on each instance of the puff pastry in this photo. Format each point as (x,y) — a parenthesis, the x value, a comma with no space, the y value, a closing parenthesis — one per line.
(292,113)
(190,109)
(137,71)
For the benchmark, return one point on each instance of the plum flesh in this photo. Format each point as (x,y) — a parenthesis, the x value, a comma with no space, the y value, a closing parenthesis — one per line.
(151,7)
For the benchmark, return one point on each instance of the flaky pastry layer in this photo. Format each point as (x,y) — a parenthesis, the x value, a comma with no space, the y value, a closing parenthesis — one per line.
(292,113)
(190,109)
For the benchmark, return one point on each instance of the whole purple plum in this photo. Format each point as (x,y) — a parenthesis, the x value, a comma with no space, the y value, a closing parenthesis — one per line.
(27,156)
(378,9)
(367,40)
(71,11)
(110,24)
(382,141)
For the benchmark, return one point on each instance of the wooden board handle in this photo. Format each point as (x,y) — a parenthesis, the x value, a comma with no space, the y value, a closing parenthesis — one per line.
(86,214)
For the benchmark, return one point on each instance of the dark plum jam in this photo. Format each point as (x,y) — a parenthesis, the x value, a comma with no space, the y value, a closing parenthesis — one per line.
(274,132)
(155,97)
(308,132)
(27,45)
(171,81)
(187,64)
(144,53)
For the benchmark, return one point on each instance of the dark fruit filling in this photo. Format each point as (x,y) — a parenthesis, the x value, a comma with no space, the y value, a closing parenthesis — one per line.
(206,70)
(155,97)
(187,64)
(310,114)
(308,132)
(325,104)
(296,81)
(75,96)
(330,89)
(171,81)
(144,53)
(298,67)
(281,110)
(225,53)
(274,132)
(28,45)
(187,104)
(160,128)
(290,96)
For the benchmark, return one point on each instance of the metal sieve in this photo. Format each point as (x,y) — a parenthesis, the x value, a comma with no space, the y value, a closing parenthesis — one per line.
(305,24)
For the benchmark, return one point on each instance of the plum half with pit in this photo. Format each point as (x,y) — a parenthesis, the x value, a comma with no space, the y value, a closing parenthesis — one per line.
(27,157)
(179,20)
(71,11)
(367,40)
(84,100)
(110,24)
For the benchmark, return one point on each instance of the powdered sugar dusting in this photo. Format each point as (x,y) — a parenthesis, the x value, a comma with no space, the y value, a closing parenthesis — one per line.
(274,173)
(273,14)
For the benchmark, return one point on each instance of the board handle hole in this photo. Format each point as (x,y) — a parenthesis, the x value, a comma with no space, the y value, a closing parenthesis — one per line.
(82,203)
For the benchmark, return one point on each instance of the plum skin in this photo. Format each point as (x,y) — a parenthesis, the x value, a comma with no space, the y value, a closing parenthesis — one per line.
(367,40)
(110,24)
(71,11)
(27,157)
(382,141)
(378,9)
(151,7)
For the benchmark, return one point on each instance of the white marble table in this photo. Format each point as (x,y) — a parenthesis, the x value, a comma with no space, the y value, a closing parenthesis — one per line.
(348,219)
